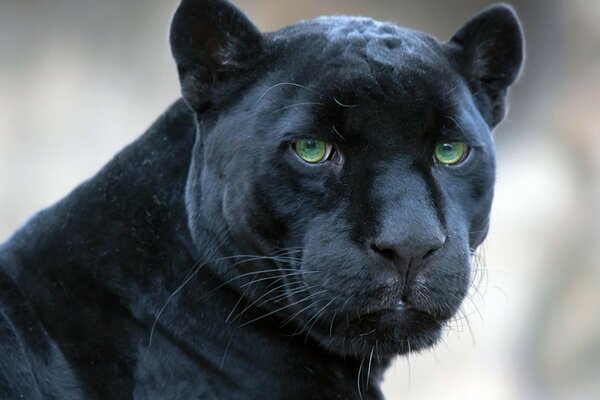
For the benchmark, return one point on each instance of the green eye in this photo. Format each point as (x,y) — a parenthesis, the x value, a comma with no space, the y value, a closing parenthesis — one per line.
(451,153)
(312,151)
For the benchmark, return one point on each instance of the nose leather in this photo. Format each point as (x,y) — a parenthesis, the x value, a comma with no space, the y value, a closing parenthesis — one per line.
(409,241)
(409,248)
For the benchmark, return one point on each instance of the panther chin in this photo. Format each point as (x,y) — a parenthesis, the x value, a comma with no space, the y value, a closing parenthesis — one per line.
(387,332)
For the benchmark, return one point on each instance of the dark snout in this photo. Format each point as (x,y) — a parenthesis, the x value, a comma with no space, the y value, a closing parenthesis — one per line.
(409,231)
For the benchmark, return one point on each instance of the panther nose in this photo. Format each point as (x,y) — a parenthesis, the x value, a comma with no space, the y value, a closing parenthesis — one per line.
(408,252)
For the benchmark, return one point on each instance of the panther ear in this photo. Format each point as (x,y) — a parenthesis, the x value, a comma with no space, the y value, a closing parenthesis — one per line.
(215,48)
(488,51)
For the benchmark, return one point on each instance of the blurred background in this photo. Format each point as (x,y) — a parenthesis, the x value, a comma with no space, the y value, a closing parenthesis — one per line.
(79,79)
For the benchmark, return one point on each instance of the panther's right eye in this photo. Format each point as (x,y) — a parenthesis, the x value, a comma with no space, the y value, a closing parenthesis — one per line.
(451,153)
(312,151)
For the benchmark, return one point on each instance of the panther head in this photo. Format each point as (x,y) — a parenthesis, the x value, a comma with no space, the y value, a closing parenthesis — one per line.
(356,156)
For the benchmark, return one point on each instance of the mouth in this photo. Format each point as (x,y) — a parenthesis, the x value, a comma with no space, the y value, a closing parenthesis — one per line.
(391,331)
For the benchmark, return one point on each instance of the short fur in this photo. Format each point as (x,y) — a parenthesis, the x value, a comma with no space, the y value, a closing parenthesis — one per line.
(208,261)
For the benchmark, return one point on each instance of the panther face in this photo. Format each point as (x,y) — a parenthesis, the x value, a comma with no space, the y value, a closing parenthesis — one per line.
(356,156)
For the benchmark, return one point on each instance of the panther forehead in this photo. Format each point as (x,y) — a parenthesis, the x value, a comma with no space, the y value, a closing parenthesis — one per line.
(381,42)
(353,58)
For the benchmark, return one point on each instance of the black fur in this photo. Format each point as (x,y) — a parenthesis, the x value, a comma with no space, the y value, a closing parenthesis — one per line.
(207,261)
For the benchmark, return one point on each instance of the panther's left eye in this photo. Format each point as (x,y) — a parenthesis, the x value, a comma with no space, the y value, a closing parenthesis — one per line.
(451,153)
(312,151)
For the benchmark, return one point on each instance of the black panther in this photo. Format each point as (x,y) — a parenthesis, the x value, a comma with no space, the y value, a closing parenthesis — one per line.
(306,212)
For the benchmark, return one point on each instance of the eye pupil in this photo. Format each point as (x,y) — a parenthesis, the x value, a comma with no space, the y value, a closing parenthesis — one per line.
(310,144)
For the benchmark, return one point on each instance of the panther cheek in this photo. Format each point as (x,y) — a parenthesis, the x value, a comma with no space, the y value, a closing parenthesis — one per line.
(479,230)
(251,226)
(236,215)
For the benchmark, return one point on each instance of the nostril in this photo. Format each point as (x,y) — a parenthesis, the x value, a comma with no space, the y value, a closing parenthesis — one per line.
(430,252)
(387,253)
(434,247)
(419,250)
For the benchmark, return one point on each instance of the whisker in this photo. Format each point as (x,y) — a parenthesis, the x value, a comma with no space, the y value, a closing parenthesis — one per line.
(238,302)
(255,301)
(194,270)
(339,103)
(272,270)
(287,294)
(455,123)
(281,309)
(298,313)
(275,277)
(331,324)
(369,369)
(315,318)
(307,103)
(287,84)
(358,379)
(337,132)
(227,349)
(284,295)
